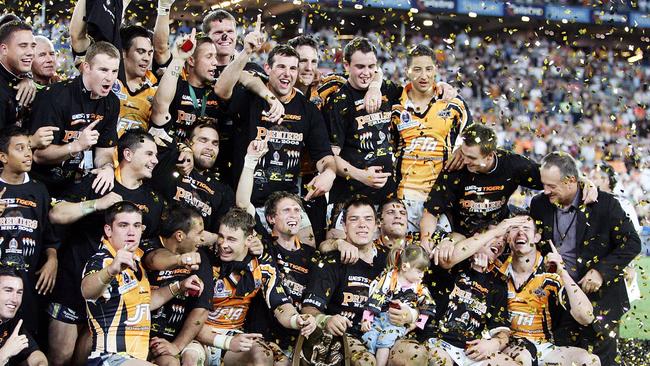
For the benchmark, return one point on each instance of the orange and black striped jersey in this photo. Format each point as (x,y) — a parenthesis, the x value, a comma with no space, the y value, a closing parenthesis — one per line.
(120,319)
(533,305)
(238,284)
(426,140)
(135,107)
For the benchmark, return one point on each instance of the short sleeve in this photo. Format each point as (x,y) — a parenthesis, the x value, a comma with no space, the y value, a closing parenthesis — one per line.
(204,301)
(108,133)
(81,191)
(94,264)
(526,172)
(317,141)
(149,245)
(442,194)
(323,281)
(497,308)
(46,113)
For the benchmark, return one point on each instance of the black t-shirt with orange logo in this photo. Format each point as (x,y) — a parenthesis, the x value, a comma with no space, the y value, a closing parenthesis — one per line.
(476,200)
(184,109)
(468,302)
(343,289)
(302,128)
(365,139)
(68,106)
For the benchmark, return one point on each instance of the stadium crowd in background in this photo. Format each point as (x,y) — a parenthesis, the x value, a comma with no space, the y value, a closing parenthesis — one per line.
(205,194)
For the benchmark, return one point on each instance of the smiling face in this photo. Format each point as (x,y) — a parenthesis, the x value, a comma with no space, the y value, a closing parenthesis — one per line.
(18,51)
(474,159)
(142,160)
(523,238)
(232,244)
(394,220)
(286,220)
(11,296)
(205,147)
(361,69)
(137,59)
(307,65)
(193,237)
(18,158)
(422,73)
(224,36)
(100,74)
(126,229)
(560,190)
(282,74)
(203,63)
(360,225)
(43,66)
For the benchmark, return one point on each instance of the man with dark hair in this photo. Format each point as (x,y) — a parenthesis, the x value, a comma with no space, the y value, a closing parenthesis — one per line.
(308,77)
(82,209)
(302,127)
(137,85)
(596,241)
(429,130)
(477,194)
(337,293)
(238,279)
(27,239)
(175,324)
(200,188)
(293,257)
(362,141)
(16,55)
(118,294)
(17,346)
(85,113)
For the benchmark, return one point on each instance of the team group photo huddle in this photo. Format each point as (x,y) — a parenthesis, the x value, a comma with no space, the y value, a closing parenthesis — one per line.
(320,183)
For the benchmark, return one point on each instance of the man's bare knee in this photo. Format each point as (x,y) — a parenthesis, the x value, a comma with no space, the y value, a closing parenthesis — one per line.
(406,352)
(166,361)
(61,338)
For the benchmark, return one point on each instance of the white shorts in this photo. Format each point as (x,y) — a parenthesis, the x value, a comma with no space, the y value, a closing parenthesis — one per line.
(457,354)
(543,349)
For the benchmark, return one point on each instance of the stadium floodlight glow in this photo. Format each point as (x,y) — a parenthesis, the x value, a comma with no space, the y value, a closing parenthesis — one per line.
(564,21)
(472,14)
(414,10)
(358,6)
(427,23)
(525,19)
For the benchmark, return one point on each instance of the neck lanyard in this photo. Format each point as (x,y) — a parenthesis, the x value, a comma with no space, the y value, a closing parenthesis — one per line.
(566,232)
(204,101)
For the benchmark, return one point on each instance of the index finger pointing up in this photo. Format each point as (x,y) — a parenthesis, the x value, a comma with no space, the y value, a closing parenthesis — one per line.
(258,23)
(553,249)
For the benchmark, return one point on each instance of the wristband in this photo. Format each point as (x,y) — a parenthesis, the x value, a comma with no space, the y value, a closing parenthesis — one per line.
(88,207)
(414,315)
(294,321)
(104,277)
(222,341)
(162,11)
(250,162)
(70,153)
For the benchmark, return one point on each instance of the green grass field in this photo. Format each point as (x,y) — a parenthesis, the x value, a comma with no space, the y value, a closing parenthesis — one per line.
(636,323)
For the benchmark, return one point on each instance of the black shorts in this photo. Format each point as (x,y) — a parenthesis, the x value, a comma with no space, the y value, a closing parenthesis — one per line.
(65,314)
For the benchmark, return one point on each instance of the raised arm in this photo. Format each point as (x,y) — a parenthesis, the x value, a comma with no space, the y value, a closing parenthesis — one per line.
(64,213)
(79,39)
(231,74)
(256,150)
(161,53)
(164,96)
